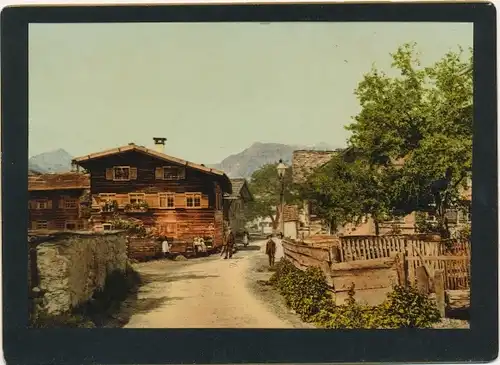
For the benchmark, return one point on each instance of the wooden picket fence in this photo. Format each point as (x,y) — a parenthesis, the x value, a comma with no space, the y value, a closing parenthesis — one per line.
(452,257)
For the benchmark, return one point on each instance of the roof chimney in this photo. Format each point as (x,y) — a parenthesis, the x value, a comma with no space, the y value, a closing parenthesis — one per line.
(159,144)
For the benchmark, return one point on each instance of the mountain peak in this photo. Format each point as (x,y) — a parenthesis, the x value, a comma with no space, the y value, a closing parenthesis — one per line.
(243,164)
(58,160)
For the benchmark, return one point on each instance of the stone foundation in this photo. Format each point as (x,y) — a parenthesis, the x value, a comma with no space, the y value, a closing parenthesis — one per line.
(72,266)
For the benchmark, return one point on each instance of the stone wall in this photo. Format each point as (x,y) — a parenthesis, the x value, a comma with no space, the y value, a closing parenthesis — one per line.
(72,266)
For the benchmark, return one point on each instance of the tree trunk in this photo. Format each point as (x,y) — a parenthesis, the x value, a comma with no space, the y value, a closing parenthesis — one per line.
(377,226)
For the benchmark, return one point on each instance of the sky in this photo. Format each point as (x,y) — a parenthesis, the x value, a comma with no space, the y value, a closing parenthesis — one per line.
(212,89)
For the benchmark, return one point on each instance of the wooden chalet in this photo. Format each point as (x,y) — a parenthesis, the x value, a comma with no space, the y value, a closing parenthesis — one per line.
(234,204)
(176,198)
(58,201)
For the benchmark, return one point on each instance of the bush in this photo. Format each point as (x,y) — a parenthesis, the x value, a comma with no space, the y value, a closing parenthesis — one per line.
(406,307)
(307,293)
(304,291)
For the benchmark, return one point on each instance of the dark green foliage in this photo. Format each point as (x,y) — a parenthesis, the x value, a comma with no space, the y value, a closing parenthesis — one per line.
(307,293)
(421,121)
(265,186)
(304,291)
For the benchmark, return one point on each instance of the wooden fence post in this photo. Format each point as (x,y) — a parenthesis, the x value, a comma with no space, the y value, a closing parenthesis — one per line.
(439,289)
(401,269)
(423,284)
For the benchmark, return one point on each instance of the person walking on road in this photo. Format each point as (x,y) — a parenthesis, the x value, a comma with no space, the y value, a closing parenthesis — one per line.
(245,238)
(229,245)
(271,250)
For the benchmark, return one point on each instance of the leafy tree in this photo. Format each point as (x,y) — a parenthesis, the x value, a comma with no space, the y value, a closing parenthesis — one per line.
(423,116)
(345,191)
(265,186)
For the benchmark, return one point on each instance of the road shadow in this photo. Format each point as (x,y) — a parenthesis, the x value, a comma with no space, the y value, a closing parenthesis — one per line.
(249,248)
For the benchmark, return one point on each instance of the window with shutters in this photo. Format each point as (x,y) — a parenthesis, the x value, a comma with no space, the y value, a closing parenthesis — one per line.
(167,200)
(170,173)
(121,173)
(41,225)
(42,204)
(193,200)
(70,203)
(137,198)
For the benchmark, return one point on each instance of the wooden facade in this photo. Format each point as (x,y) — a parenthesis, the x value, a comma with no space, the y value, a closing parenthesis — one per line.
(58,201)
(176,198)
(234,204)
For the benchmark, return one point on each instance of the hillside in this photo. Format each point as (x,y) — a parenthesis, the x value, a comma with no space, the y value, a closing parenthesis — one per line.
(53,161)
(243,164)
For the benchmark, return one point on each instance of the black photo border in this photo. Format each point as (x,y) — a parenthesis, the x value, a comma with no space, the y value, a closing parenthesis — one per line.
(148,346)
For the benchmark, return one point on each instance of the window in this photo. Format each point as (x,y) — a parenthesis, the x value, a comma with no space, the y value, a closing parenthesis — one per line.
(193,200)
(42,204)
(107,197)
(170,173)
(106,227)
(70,203)
(121,173)
(41,225)
(167,200)
(137,198)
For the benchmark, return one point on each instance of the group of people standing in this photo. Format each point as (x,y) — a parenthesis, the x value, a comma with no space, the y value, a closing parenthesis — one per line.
(229,243)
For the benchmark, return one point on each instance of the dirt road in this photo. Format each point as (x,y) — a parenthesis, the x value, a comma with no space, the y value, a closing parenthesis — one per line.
(203,293)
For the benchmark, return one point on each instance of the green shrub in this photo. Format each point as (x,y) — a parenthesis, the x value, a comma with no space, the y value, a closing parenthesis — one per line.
(307,293)
(406,307)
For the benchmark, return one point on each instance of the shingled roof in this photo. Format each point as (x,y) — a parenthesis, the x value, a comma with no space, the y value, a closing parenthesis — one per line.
(240,189)
(82,160)
(305,161)
(63,181)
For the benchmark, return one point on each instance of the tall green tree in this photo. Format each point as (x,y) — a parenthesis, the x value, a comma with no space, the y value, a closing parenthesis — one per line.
(424,117)
(265,186)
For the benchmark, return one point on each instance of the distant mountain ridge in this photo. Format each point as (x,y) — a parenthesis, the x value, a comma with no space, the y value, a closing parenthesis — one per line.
(53,161)
(241,164)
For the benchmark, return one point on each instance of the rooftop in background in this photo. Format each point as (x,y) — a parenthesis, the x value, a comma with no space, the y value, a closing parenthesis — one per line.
(63,181)
(305,161)
(240,189)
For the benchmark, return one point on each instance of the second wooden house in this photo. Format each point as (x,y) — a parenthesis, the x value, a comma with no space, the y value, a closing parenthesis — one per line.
(179,200)
(58,202)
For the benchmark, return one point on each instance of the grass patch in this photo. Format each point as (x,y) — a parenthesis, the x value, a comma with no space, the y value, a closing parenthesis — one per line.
(307,293)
